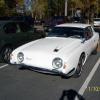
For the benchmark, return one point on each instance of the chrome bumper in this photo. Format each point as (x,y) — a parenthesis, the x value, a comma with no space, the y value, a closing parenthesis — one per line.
(52,72)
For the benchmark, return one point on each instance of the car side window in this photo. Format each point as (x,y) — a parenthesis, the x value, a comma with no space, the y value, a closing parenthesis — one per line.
(88,32)
(10,28)
(24,27)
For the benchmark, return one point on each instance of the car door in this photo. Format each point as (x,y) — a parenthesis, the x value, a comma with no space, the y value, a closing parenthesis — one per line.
(89,36)
(27,31)
(20,35)
(13,35)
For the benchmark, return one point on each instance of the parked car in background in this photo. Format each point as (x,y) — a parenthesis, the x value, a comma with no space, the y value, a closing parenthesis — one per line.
(14,34)
(52,21)
(96,22)
(27,19)
(64,51)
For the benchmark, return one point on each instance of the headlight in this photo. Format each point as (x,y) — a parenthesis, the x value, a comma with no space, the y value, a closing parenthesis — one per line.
(20,57)
(57,63)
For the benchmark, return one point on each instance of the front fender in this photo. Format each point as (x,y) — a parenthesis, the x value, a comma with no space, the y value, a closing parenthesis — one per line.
(72,60)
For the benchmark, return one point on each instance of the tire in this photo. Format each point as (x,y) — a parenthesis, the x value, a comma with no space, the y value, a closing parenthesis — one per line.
(79,66)
(5,54)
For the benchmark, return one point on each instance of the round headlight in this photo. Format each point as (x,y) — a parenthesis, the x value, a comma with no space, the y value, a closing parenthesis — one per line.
(20,57)
(57,63)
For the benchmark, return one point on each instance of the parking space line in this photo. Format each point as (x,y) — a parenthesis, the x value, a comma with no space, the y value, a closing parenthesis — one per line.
(3,66)
(88,79)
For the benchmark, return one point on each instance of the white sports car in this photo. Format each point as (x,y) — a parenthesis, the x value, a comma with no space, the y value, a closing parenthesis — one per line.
(64,51)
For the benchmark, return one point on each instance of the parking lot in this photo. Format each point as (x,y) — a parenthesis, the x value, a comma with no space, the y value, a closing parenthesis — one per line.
(25,84)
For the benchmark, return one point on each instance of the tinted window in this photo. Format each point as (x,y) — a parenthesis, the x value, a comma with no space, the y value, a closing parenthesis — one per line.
(10,28)
(66,31)
(25,27)
(88,32)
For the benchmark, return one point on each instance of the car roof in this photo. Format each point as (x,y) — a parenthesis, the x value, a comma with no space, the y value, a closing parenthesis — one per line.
(77,25)
(6,21)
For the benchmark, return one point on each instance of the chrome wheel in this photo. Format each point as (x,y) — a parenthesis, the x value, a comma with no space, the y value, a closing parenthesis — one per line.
(80,66)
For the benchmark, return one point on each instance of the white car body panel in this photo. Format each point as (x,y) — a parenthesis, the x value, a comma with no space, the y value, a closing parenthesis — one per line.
(40,53)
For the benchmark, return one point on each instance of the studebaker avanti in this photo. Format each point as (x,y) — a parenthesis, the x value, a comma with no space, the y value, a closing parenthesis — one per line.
(64,51)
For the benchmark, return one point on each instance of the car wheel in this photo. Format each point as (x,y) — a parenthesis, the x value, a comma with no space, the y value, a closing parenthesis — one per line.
(80,66)
(6,54)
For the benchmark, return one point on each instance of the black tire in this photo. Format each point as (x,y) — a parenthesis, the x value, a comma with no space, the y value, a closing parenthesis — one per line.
(5,54)
(79,66)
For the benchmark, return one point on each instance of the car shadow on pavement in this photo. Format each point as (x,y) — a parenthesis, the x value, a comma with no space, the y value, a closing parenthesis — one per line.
(71,95)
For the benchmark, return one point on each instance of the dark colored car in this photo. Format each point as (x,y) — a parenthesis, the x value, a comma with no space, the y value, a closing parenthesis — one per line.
(26,19)
(14,34)
(51,22)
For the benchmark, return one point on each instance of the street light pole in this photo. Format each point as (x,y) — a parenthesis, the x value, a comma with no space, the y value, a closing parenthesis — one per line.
(66,5)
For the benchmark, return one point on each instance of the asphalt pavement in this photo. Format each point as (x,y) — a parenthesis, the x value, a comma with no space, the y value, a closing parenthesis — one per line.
(25,84)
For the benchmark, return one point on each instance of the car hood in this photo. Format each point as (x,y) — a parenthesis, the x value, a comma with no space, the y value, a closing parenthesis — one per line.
(52,45)
(40,53)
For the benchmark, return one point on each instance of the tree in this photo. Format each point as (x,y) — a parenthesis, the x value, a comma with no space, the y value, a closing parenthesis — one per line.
(2,7)
(40,8)
(10,3)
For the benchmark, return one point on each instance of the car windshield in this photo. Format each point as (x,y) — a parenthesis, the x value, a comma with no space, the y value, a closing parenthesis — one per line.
(66,32)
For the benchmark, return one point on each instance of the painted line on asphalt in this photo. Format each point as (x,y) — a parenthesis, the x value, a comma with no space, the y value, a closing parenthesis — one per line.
(3,66)
(88,79)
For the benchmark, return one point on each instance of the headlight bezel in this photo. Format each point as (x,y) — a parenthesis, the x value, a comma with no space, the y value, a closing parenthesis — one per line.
(57,63)
(20,57)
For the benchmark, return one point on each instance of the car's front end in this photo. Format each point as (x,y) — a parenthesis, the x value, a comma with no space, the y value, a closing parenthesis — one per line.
(45,63)
(58,53)
(48,55)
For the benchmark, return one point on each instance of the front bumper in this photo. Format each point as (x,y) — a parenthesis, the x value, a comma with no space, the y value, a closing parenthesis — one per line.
(52,72)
